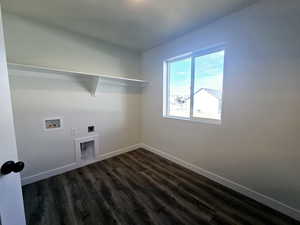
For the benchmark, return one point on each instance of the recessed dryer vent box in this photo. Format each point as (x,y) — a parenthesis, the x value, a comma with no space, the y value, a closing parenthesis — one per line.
(86,148)
(53,123)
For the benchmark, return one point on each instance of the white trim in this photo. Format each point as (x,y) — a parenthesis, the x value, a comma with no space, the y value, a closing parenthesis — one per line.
(48,173)
(165,88)
(199,52)
(268,201)
(120,151)
(193,120)
(60,170)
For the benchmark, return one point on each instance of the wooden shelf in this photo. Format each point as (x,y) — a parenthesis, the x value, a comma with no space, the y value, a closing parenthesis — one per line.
(97,79)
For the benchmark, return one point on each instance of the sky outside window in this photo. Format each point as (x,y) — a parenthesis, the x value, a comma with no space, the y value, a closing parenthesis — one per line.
(180,87)
(208,85)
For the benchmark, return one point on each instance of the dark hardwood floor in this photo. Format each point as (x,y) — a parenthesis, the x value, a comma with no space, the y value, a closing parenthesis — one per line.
(140,188)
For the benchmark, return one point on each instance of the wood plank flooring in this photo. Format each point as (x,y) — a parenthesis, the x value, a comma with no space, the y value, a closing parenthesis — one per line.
(140,188)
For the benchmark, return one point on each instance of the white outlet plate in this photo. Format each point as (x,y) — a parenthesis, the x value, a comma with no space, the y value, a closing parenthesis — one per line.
(73,132)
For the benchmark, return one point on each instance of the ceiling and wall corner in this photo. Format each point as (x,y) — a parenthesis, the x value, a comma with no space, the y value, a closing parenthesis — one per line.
(135,24)
(34,43)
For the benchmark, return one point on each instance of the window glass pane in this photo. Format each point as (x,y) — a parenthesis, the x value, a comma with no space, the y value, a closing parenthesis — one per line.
(179,88)
(208,85)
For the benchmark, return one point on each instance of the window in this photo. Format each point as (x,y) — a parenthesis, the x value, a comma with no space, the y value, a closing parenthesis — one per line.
(194,85)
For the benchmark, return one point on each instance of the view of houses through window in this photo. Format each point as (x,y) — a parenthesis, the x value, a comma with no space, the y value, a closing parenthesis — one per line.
(194,86)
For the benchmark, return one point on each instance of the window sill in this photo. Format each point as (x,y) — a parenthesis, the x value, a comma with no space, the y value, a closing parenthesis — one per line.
(198,120)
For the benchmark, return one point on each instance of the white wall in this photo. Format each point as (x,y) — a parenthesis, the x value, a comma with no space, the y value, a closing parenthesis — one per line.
(257,144)
(115,111)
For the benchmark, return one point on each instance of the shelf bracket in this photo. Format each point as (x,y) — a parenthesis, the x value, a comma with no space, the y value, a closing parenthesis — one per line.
(95,83)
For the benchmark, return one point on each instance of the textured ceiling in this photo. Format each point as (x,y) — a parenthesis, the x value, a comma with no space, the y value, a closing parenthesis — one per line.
(135,24)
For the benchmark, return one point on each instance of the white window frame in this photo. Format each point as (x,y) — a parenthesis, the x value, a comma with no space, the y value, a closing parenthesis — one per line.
(166,85)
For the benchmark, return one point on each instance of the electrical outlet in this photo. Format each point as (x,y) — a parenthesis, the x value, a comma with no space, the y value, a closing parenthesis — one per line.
(73,131)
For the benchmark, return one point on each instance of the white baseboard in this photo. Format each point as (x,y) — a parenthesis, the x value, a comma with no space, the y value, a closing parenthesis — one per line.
(48,173)
(53,172)
(272,203)
(120,151)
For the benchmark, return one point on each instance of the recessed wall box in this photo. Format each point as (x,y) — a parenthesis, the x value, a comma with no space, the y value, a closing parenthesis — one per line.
(91,129)
(86,148)
(53,123)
